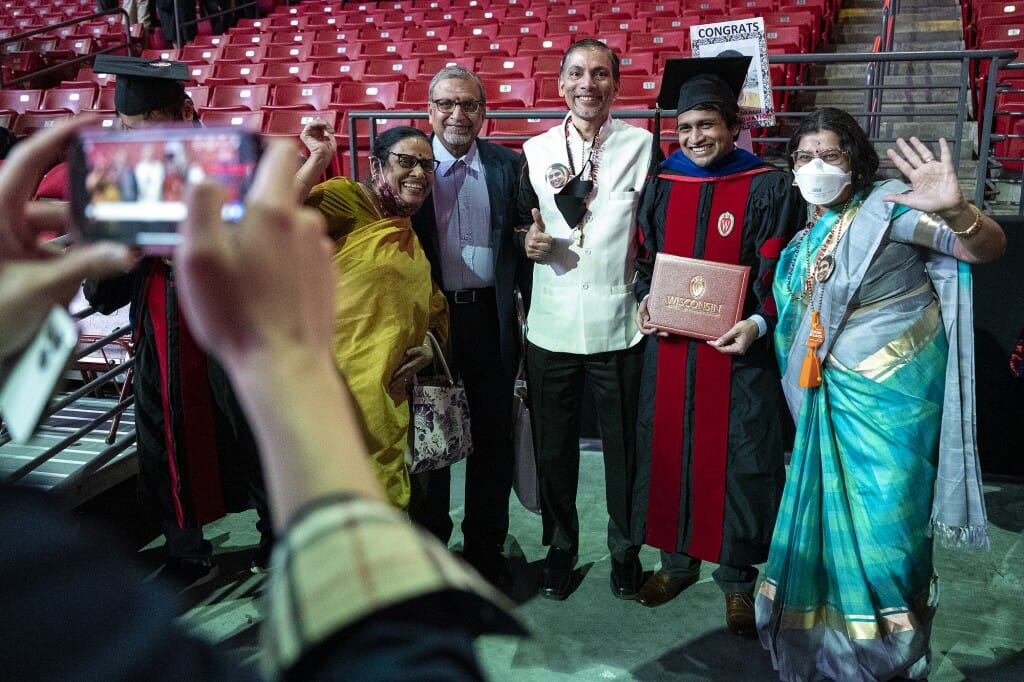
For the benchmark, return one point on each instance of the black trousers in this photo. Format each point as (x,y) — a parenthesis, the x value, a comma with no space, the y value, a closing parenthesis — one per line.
(477,359)
(556,383)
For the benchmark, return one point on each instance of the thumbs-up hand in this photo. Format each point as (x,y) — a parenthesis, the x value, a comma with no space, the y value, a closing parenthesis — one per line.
(538,243)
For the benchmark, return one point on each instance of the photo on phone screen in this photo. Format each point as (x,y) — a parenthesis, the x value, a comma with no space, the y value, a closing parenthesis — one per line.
(130,186)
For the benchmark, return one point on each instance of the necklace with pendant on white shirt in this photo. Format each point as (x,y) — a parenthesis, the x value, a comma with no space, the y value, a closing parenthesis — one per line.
(594,160)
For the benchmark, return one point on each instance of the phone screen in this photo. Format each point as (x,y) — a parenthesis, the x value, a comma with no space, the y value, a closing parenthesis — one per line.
(131,186)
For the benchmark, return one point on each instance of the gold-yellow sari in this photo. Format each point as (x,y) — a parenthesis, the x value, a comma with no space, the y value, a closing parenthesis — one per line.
(385,302)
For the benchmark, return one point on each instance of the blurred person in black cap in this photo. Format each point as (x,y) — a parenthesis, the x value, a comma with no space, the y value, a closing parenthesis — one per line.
(711,410)
(197,456)
(577,202)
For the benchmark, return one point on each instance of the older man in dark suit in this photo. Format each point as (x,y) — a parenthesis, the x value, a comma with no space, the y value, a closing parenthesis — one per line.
(465,227)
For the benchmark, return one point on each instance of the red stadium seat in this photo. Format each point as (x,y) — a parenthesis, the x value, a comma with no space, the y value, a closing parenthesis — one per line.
(292,38)
(579,28)
(241,53)
(169,54)
(400,70)
(335,50)
(547,64)
(286,72)
(453,47)
(251,97)
(248,120)
(336,35)
(431,65)
(74,99)
(415,94)
(638,91)
(201,53)
(429,33)
(20,100)
(505,67)
(537,45)
(199,94)
(624,25)
(677,41)
(481,47)
(377,50)
(284,122)
(522,128)
(200,72)
(509,92)
(104,100)
(32,120)
(245,71)
(640,64)
(520,30)
(315,96)
(489,31)
(338,71)
(534,11)
(369,96)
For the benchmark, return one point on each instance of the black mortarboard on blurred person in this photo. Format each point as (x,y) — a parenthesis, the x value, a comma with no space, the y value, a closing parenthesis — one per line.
(685,83)
(143,85)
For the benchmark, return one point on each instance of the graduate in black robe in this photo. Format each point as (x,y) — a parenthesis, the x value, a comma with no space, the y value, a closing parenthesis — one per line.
(710,444)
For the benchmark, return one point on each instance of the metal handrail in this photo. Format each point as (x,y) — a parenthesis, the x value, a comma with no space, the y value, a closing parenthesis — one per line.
(996,59)
(17,38)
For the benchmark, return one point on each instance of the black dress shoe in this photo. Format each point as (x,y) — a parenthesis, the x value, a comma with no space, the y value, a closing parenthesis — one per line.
(557,574)
(626,577)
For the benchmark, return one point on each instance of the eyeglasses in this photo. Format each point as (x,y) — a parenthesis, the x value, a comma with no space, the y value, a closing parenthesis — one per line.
(410,161)
(447,106)
(832,157)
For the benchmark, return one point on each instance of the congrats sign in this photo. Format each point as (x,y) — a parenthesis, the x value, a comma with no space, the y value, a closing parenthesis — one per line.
(742,37)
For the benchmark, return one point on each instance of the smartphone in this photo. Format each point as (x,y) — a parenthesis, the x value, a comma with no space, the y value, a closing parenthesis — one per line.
(130,186)
(26,391)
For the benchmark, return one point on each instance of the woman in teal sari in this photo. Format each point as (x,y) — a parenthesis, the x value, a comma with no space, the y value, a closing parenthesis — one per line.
(874,339)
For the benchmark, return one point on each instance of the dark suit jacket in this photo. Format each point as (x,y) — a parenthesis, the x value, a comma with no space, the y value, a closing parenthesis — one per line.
(511,268)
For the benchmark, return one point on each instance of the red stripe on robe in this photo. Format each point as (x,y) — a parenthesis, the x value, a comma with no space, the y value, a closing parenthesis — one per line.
(203,484)
(712,387)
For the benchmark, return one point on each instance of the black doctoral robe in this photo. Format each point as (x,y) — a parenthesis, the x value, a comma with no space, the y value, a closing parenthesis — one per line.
(732,525)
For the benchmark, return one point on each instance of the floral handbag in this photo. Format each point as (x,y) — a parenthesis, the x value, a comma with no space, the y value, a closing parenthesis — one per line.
(440,419)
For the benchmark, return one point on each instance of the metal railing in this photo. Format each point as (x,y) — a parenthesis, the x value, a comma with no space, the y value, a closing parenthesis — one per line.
(64,64)
(879,114)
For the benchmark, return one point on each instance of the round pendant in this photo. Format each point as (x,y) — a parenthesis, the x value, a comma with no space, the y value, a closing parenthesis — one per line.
(823,269)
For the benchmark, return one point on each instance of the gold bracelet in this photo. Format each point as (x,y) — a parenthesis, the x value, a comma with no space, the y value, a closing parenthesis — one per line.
(974,227)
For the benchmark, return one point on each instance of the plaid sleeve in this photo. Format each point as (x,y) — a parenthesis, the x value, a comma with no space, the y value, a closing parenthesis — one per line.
(346,558)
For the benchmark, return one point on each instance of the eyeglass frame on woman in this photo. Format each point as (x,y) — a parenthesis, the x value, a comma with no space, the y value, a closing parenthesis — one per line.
(447,106)
(840,153)
(407,161)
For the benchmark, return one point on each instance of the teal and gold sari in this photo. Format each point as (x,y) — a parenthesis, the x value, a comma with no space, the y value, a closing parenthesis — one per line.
(849,591)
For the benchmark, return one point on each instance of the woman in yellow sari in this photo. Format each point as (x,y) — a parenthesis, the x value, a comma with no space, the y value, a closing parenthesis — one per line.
(385,300)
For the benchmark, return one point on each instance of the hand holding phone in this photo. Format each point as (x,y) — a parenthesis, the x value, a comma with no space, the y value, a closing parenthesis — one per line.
(130,186)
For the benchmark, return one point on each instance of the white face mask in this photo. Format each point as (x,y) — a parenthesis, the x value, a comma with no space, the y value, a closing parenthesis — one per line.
(821,184)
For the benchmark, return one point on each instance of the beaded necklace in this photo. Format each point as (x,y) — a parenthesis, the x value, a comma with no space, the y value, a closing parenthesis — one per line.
(594,160)
(824,264)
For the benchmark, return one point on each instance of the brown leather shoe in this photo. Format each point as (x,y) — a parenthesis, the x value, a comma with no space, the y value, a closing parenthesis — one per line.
(739,614)
(661,588)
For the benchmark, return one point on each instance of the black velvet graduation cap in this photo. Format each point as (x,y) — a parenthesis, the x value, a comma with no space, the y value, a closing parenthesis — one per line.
(686,83)
(143,85)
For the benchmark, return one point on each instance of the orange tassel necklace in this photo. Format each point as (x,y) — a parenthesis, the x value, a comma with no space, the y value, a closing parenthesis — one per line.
(823,265)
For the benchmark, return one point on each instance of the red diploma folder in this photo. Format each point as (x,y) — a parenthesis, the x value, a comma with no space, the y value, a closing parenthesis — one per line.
(697,298)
